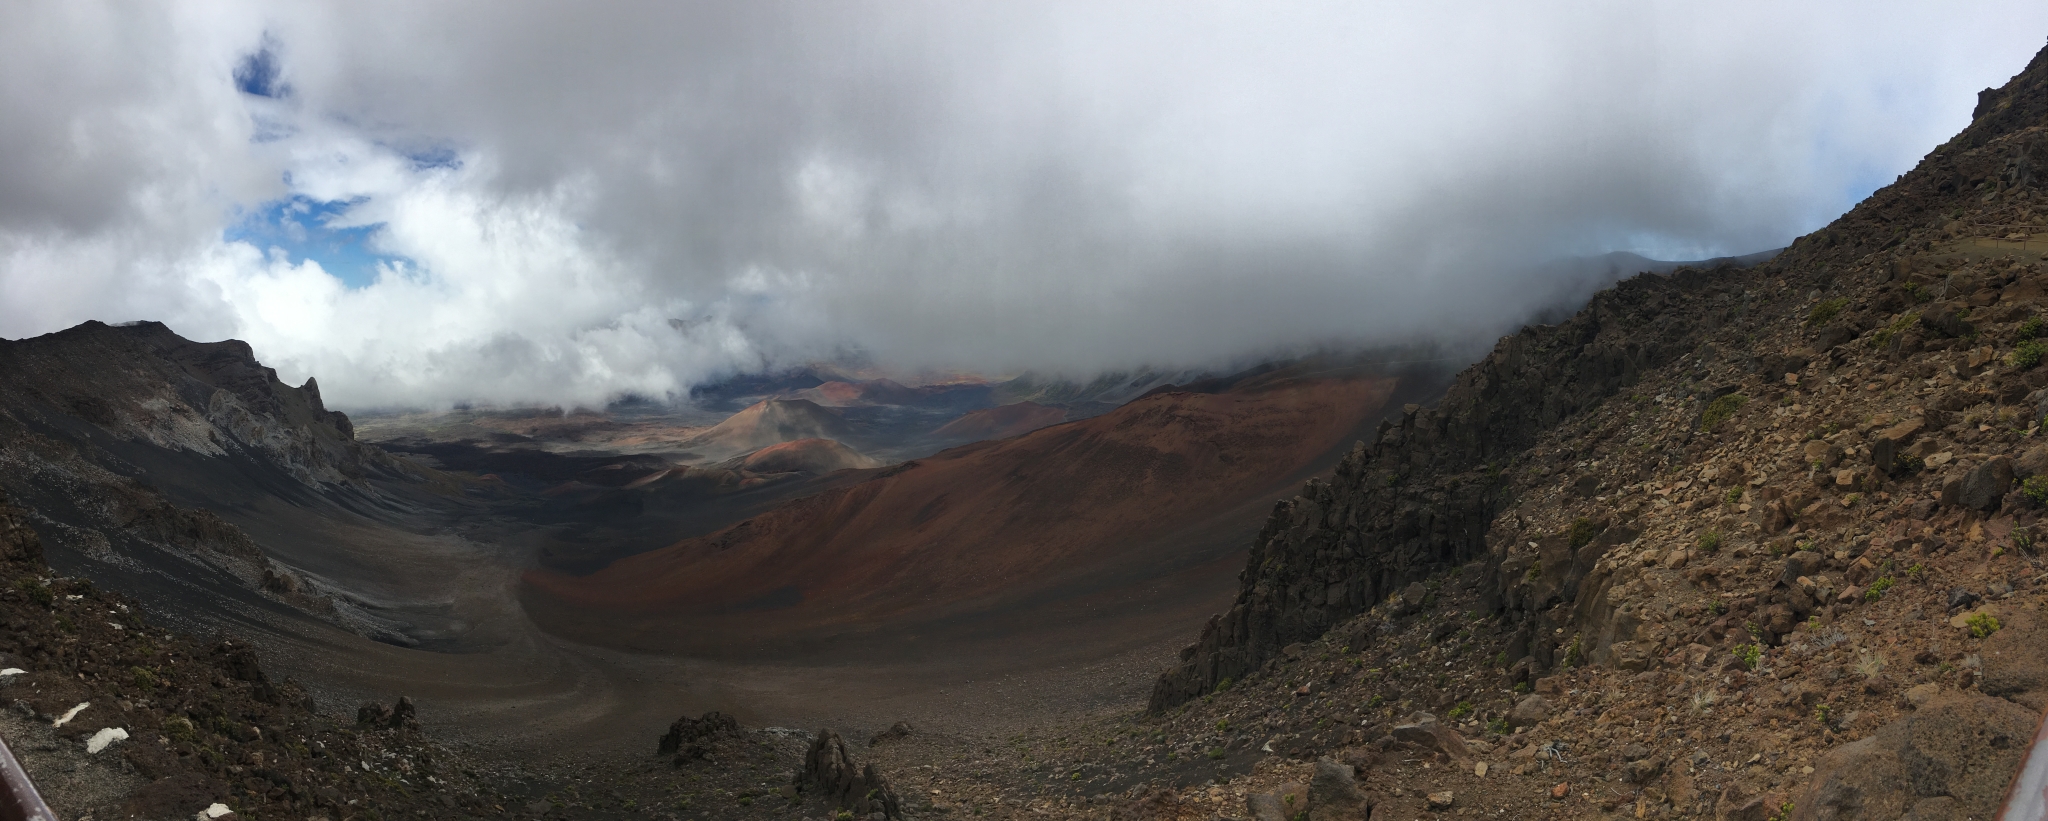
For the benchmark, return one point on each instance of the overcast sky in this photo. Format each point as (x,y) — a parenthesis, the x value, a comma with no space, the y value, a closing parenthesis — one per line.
(428,203)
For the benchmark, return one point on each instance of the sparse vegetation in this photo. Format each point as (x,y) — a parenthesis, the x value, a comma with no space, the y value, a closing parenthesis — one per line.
(1825,311)
(2036,489)
(1462,711)
(1710,542)
(1982,625)
(1720,409)
(1878,588)
(1581,532)
(1751,654)
(36,591)
(2026,355)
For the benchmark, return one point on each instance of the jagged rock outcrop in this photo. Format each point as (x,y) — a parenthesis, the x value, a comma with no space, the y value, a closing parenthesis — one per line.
(1423,494)
(691,739)
(830,774)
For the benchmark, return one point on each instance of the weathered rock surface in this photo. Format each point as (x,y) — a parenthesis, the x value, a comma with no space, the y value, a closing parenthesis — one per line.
(1957,751)
(831,774)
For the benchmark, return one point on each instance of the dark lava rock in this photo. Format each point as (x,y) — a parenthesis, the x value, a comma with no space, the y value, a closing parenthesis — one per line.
(830,773)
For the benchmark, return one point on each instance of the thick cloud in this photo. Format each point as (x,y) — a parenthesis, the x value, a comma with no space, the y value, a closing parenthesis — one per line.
(432,203)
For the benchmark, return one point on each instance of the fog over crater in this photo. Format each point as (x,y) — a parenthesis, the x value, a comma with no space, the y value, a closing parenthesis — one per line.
(525,204)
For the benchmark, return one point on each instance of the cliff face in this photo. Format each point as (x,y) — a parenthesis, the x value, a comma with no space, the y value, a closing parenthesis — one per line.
(1423,496)
(125,440)
(143,383)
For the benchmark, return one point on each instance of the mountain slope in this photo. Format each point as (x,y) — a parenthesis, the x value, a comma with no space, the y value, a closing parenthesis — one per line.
(1684,492)
(768,422)
(1082,504)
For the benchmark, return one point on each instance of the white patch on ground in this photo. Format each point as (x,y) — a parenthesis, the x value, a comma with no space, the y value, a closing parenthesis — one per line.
(70,714)
(105,738)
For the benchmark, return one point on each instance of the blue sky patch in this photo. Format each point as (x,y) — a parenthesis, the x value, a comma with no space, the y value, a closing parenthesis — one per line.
(258,74)
(300,227)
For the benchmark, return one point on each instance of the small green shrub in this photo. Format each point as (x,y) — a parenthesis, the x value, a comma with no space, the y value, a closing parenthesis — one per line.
(1885,335)
(2030,329)
(1823,713)
(1720,409)
(36,591)
(2027,355)
(1826,310)
(2036,489)
(144,678)
(179,728)
(1574,654)
(1982,625)
(1877,588)
(1751,654)
(1224,685)
(1459,712)
(1535,571)
(1581,532)
(1710,542)
(1733,497)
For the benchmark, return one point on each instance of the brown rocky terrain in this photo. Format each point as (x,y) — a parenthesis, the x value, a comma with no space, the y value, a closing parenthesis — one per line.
(768,422)
(806,456)
(1001,422)
(1739,543)
(1055,513)
(1733,543)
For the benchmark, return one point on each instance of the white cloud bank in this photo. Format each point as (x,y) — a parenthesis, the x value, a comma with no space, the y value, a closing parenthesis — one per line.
(632,199)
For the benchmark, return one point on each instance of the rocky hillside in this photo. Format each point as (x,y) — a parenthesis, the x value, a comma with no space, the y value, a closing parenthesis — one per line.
(123,441)
(1803,467)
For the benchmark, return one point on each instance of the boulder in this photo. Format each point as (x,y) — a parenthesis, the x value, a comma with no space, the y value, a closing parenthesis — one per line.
(2032,463)
(1283,804)
(1333,794)
(831,773)
(899,730)
(691,738)
(1424,732)
(1961,746)
(1945,322)
(2015,669)
(1530,711)
(1986,484)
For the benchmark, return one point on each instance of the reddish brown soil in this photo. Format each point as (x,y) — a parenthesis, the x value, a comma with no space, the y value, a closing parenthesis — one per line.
(1052,515)
(871,392)
(807,456)
(1015,419)
(768,422)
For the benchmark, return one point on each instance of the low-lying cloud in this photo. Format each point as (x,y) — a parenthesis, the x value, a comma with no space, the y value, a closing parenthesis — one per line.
(513,203)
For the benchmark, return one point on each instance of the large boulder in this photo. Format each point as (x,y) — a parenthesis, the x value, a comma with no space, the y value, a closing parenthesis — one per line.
(1529,712)
(831,774)
(1951,758)
(691,738)
(1333,794)
(1985,485)
(1423,732)
(2015,669)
